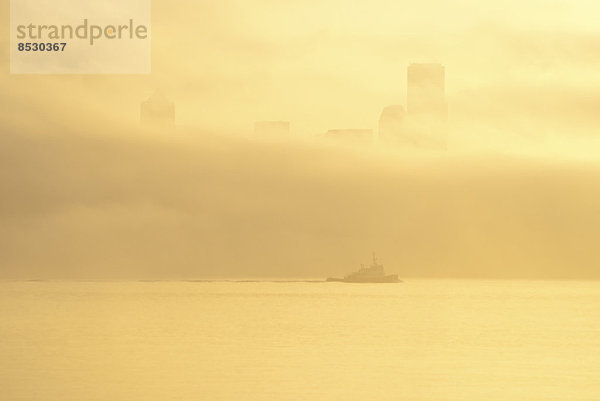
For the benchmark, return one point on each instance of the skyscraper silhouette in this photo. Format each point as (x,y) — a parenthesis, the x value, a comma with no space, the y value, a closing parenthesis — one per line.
(391,123)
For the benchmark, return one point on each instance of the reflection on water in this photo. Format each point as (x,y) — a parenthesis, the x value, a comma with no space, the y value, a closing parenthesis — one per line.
(421,340)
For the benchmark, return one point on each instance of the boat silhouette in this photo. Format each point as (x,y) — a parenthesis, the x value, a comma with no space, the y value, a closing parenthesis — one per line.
(372,274)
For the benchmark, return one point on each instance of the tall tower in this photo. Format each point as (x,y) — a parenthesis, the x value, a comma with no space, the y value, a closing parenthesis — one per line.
(391,123)
(426,91)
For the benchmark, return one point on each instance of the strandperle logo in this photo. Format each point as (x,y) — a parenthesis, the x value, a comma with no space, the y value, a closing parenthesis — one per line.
(85,31)
(80,36)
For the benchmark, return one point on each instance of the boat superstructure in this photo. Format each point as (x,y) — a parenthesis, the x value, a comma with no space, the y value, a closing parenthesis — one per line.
(372,274)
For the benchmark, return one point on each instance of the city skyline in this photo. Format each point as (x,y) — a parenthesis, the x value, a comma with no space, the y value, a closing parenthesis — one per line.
(190,192)
(425,99)
(520,143)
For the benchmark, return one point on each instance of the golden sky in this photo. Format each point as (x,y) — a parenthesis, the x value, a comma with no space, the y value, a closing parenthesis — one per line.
(85,193)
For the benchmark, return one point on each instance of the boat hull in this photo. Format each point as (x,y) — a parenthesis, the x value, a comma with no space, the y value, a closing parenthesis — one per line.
(392,278)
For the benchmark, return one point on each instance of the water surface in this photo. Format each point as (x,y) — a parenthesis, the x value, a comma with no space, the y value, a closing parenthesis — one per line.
(421,340)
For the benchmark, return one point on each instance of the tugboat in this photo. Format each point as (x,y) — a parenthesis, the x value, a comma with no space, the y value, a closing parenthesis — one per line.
(371,274)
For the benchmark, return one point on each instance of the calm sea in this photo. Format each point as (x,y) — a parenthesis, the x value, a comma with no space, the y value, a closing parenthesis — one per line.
(419,340)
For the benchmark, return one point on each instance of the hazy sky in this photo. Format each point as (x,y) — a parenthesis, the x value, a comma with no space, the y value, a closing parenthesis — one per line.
(86,194)
(332,64)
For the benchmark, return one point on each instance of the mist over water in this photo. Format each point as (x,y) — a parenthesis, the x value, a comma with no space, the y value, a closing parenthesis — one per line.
(422,340)
(189,204)
(87,193)
(459,140)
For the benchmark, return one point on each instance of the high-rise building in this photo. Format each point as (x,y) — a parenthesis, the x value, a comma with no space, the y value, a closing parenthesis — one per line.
(272,128)
(157,111)
(391,123)
(426,91)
